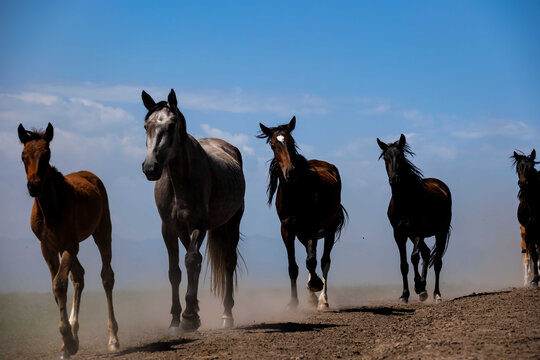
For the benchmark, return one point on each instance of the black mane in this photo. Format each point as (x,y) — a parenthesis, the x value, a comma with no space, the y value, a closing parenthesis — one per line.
(262,135)
(160,105)
(35,134)
(409,169)
(274,172)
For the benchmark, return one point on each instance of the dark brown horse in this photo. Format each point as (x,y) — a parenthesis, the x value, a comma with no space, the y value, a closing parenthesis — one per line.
(308,203)
(199,187)
(67,210)
(529,206)
(419,208)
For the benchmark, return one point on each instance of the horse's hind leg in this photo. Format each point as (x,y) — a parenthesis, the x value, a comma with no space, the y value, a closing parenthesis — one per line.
(325,266)
(440,245)
(532,239)
(420,248)
(170,237)
(288,239)
(102,238)
(232,234)
(77,277)
(401,241)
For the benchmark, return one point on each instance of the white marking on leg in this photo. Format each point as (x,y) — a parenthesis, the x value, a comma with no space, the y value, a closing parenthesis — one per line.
(72,317)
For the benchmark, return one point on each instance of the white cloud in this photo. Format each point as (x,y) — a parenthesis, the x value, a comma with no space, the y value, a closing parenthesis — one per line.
(504,128)
(234,101)
(33,98)
(239,140)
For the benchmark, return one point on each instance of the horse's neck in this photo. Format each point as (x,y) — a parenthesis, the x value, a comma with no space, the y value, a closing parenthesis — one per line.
(531,195)
(184,168)
(407,192)
(50,199)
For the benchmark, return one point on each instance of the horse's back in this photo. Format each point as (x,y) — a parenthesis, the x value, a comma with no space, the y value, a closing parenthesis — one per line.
(228,183)
(220,151)
(327,173)
(90,199)
(437,188)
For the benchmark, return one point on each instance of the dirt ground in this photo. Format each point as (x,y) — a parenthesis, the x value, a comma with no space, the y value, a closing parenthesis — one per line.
(493,325)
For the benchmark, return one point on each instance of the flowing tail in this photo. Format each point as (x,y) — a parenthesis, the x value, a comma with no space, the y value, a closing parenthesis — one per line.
(440,247)
(223,254)
(341,219)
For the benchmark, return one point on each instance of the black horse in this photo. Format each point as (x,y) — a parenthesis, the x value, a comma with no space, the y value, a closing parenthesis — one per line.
(419,208)
(529,206)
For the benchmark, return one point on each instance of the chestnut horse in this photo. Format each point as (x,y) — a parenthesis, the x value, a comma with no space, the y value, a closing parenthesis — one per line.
(199,187)
(67,210)
(308,203)
(419,208)
(528,274)
(529,206)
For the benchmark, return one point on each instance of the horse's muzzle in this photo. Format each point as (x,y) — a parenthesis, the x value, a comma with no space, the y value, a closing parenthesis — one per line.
(34,188)
(152,170)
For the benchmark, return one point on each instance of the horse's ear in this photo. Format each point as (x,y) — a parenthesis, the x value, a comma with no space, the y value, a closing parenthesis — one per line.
(172,99)
(23,135)
(382,145)
(402,141)
(533,155)
(147,100)
(516,155)
(266,131)
(49,133)
(292,124)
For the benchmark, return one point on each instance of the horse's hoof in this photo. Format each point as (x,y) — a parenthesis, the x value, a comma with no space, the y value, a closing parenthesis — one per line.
(113,347)
(533,284)
(227,322)
(315,284)
(403,300)
(64,354)
(423,296)
(190,324)
(322,306)
(175,331)
(438,299)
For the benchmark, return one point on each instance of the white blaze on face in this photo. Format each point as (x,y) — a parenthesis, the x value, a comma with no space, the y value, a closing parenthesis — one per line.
(281,138)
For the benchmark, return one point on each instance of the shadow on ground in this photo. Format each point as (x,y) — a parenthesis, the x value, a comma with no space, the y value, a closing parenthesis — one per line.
(159,346)
(481,294)
(288,327)
(387,311)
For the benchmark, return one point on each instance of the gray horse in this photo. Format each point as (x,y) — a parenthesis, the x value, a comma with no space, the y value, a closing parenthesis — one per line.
(200,187)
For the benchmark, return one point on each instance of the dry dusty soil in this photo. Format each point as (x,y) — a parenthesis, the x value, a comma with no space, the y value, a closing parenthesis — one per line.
(502,324)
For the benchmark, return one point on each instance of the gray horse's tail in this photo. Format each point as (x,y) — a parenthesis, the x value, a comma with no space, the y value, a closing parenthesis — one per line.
(223,254)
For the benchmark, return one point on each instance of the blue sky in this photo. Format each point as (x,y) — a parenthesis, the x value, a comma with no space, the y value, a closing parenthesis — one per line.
(460,79)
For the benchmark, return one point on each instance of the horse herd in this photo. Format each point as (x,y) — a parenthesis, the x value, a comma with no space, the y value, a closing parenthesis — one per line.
(200,189)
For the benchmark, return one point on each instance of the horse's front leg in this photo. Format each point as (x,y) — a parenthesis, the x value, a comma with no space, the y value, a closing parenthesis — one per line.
(60,285)
(77,278)
(170,237)
(190,317)
(420,280)
(314,282)
(401,241)
(325,266)
(288,239)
